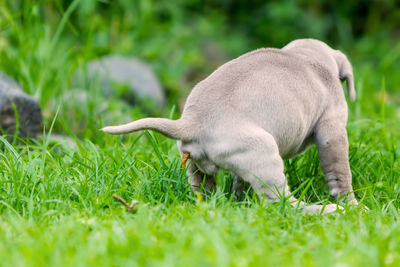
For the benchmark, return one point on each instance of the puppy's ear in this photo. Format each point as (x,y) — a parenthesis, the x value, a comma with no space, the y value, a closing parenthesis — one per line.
(345,72)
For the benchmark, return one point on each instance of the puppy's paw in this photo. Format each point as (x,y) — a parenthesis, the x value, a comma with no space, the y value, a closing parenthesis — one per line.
(330,208)
(353,204)
(321,209)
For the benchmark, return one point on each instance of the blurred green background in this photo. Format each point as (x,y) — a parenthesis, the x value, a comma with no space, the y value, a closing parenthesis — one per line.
(56,204)
(43,43)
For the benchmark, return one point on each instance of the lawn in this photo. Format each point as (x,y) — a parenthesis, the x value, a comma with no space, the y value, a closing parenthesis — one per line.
(56,200)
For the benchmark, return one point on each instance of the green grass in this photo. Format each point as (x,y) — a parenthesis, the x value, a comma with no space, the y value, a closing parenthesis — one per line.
(56,201)
(57,208)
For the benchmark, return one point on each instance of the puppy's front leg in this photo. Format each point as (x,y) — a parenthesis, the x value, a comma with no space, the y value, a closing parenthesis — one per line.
(332,143)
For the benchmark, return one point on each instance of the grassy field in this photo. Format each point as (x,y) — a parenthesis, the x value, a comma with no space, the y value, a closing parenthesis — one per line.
(56,201)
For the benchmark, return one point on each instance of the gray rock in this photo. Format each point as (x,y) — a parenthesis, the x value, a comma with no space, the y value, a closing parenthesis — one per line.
(64,140)
(28,110)
(113,72)
(80,106)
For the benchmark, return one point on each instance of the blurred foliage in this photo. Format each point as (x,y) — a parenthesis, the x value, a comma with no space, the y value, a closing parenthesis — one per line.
(43,43)
(333,21)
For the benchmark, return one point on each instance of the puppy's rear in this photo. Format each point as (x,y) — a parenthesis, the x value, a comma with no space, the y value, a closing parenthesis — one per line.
(260,108)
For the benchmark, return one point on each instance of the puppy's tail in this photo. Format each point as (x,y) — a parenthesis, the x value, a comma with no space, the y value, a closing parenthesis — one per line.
(345,73)
(175,129)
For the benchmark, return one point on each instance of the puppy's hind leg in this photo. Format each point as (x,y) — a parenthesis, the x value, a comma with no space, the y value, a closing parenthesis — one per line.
(200,180)
(255,158)
(332,143)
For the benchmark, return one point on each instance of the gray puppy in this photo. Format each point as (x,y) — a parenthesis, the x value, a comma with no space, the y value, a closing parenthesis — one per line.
(263,107)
